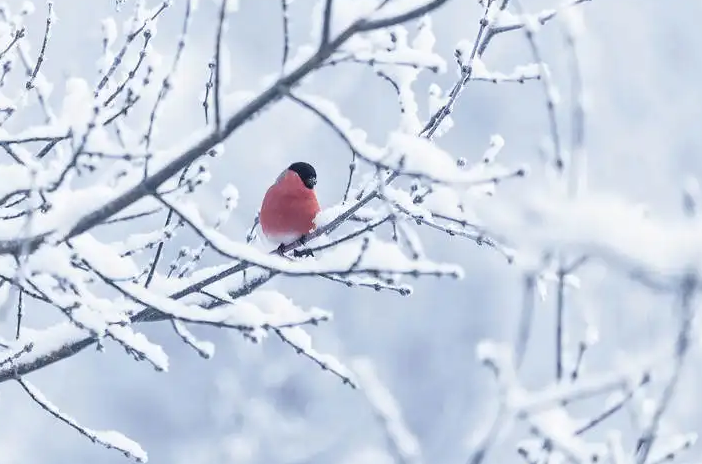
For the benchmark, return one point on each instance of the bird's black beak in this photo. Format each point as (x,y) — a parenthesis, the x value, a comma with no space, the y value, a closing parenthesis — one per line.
(311,182)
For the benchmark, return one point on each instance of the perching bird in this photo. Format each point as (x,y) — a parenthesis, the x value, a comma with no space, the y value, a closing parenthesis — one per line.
(290,205)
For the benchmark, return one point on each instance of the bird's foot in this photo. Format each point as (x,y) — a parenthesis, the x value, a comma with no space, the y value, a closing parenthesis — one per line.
(281,249)
(304,253)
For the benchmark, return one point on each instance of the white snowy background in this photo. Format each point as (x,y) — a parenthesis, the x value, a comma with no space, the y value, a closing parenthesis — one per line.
(641,62)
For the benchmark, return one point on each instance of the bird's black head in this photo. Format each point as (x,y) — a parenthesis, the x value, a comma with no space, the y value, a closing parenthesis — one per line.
(306,173)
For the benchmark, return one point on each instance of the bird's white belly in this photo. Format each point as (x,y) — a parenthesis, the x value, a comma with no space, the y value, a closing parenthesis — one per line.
(277,239)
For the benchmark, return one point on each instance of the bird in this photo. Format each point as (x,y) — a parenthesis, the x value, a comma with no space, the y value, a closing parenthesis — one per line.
(290,206)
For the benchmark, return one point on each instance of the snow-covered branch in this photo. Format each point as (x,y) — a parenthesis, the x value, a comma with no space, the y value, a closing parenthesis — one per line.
(99,163)
(107,438)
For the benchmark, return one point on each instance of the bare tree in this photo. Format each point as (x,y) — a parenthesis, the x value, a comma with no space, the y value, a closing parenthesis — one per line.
(90,168)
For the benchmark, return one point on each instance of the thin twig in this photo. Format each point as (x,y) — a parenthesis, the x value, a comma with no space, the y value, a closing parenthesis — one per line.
(345,379)
(560,309)
(19,313)
(285,6)
(161,244)
(217,69)
(94,436)
(19,34)
(326,22)
(548,88)
(525,320)
(42,51)
(166,84)
(208,86)
(686,312)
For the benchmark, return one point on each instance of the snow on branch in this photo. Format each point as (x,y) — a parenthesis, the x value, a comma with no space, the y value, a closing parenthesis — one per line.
(90,165)
(404,154)
(167,164)
(556,229)
(353,260)
(594,226)
(108,438)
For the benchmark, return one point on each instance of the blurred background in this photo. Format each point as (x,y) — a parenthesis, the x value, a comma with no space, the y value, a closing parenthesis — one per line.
(641,61)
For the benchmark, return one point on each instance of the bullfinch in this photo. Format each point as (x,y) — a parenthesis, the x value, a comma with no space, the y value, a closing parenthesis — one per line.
(290,205)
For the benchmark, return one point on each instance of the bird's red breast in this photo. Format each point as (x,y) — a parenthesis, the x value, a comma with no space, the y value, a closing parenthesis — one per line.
(288,209)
